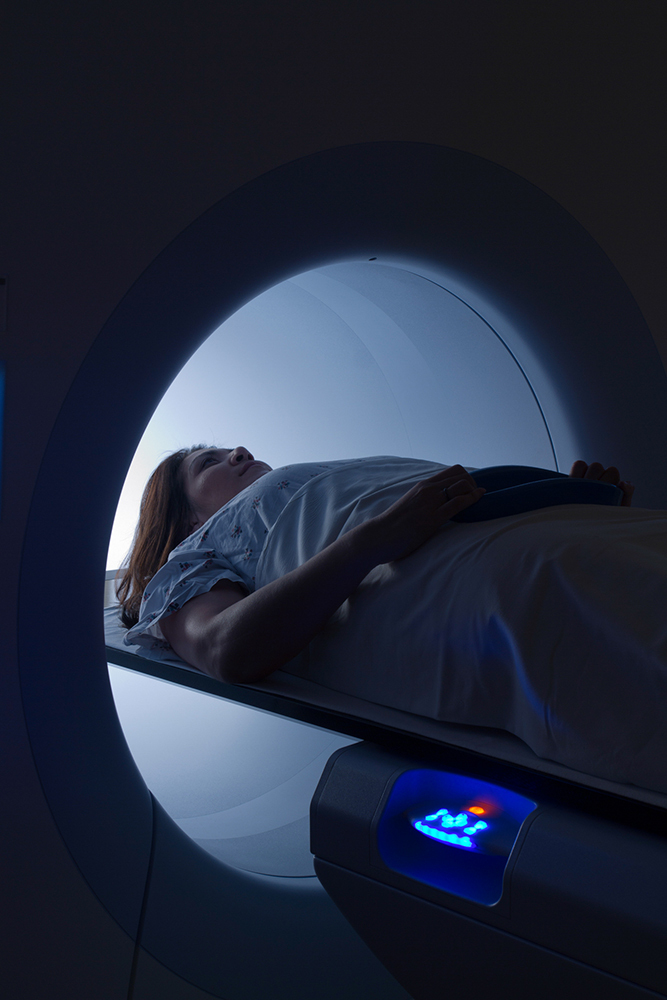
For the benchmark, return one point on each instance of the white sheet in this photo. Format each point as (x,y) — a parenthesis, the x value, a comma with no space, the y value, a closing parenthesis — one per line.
(551,625)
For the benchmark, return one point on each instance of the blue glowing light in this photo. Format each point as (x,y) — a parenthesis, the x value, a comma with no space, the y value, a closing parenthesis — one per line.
(415,835)
(439,824)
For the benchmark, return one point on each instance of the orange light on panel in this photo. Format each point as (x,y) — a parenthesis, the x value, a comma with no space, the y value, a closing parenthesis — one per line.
(484,808)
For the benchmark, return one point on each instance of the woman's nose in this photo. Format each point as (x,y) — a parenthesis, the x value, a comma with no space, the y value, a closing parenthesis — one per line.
(241,455)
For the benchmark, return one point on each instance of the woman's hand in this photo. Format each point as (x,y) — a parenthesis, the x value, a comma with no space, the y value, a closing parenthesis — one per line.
(580,470)
(413,519)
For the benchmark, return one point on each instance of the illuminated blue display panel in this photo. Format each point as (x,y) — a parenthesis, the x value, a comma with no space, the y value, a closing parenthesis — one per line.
(451,832)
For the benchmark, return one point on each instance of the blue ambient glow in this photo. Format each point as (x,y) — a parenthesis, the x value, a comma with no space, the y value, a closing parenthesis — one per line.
(481,820)
(436,824)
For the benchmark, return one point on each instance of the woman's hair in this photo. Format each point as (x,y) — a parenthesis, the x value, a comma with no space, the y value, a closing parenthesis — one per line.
(165,519)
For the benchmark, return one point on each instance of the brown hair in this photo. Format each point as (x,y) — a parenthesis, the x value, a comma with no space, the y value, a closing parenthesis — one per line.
(165,519)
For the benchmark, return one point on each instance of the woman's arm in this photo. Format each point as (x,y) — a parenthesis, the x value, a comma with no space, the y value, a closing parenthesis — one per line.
(243,639)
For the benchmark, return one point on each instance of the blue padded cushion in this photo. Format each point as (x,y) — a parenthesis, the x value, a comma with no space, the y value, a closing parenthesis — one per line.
(514,489)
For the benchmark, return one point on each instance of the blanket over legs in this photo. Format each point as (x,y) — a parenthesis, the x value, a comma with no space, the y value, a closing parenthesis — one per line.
(550,624)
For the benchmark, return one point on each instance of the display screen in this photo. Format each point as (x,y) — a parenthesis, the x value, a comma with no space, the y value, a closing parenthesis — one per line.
(451,832)
(460,829)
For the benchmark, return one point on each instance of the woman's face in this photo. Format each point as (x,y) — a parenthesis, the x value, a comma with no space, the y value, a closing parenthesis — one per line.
(213,476)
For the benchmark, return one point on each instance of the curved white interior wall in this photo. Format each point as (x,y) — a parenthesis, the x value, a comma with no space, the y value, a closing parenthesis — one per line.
(344,361)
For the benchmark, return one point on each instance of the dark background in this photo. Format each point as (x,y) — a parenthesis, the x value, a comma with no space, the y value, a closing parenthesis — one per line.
(121,123)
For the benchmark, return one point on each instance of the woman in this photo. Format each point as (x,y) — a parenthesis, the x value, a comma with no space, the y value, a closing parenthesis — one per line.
(248,643)
(550,624)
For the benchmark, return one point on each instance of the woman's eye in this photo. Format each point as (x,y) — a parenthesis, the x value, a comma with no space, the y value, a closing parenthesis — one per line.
(206,461)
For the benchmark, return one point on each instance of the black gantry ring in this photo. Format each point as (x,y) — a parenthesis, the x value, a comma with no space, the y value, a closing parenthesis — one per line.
(446,493)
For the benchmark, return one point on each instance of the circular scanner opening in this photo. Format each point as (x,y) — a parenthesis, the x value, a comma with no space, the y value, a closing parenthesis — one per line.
(350,360)
(347,361)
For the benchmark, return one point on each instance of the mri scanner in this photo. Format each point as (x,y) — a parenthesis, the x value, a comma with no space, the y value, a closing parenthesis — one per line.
(493,330)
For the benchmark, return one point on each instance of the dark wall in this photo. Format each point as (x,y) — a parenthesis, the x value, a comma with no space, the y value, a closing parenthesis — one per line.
(123,122)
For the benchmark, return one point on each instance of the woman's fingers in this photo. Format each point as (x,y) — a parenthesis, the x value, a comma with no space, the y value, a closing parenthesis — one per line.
(448,477)
(580,470)
(462,487)
(594,471)
(452,471)
(459,488)
(628,490)
(611,475)
(462,500)
(420,513)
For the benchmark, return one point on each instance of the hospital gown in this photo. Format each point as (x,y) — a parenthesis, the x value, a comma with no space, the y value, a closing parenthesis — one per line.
(550,624)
